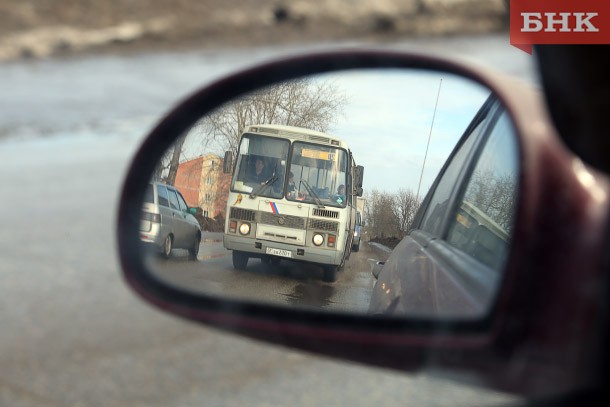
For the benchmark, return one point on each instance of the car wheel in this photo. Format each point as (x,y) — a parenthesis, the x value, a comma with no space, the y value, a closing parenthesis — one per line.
(356,247)
(240,260)
(167,246)
(194,250)
(330,274)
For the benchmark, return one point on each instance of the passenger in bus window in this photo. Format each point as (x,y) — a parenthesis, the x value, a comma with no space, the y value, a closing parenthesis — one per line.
(291,186)
(340,195)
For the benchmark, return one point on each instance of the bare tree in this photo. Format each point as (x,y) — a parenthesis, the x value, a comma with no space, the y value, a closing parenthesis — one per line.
(381,215)
(175,160)
(302,103)
(406,206)
(167,167)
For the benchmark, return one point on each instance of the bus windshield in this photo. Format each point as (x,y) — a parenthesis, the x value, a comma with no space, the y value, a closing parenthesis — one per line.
(318,174)
(261,166)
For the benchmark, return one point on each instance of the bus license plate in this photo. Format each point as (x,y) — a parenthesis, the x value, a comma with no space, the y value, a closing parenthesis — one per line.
(279,252)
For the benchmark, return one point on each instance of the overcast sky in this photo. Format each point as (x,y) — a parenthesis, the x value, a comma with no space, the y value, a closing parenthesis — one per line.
(388,119)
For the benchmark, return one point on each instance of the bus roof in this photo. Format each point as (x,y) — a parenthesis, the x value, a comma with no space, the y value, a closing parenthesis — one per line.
(296,133)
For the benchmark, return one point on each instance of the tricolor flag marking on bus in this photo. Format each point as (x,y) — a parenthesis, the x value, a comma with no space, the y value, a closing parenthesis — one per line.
(274,208)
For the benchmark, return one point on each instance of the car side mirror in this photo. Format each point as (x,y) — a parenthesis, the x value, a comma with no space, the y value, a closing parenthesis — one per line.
(376,269)
(359,178)
(284,267)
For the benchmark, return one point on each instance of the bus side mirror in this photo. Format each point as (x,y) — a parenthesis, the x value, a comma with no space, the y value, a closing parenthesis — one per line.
(227,165)
(359,191)
(359,178)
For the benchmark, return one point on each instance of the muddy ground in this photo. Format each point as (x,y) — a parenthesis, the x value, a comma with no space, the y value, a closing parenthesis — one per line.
(42,28)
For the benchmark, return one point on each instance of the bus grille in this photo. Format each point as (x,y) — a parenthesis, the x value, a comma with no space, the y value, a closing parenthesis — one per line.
(242,214)
(325,213)
(325,225)
(287,221)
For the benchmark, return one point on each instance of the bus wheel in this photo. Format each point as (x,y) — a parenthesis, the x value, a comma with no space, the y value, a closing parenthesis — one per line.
(330,274)
(240,260)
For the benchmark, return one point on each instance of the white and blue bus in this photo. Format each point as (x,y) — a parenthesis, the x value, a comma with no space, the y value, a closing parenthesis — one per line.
(292,197)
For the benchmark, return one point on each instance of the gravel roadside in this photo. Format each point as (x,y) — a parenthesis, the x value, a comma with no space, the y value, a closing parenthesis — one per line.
(44,28)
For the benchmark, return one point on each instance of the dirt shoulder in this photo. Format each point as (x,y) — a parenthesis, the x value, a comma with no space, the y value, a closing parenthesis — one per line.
(43,28)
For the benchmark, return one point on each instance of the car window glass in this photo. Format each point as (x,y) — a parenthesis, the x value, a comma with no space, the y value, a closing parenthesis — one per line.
(173,199)
(162,195)
(149,195)
(182,203)
(437,207)
(482,222)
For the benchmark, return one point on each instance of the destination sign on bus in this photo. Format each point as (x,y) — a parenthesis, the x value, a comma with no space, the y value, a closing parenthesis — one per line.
(317,154)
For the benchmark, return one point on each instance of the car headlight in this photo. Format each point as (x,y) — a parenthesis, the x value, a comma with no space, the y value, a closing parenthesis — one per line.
(318,239)
(244,228)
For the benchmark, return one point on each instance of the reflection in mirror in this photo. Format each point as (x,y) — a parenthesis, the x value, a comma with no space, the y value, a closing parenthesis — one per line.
(266,198)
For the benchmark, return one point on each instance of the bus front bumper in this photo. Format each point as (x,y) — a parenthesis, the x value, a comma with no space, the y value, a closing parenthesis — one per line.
(260,248)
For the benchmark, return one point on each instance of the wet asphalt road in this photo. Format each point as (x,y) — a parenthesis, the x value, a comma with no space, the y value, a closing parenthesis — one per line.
(72,333)
(290,283)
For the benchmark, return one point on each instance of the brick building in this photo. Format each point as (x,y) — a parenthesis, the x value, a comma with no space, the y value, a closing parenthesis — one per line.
(204,185)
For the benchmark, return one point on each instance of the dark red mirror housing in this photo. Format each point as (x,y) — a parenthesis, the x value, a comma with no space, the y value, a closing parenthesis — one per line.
(541,334)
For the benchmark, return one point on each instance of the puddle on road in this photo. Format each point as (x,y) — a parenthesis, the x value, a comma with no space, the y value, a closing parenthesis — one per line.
(211,256)
(316,295)
(209,240)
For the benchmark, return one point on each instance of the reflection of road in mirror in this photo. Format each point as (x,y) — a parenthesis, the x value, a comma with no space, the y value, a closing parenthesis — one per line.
(317,295)
(289,283)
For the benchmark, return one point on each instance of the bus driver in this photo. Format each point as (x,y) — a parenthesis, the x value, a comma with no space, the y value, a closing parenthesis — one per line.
(259,175)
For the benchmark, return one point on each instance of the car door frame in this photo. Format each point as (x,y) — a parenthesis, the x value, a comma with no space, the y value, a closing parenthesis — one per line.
(179,222)
(488,115)
(458,268)
(191,226)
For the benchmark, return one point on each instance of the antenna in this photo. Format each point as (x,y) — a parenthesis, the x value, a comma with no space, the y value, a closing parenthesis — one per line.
(429,136)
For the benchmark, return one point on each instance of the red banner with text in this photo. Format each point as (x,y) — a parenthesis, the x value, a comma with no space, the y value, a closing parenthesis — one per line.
(559,22)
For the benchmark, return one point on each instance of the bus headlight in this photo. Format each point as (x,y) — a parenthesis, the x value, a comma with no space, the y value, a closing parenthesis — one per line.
(318,239)
(244,228)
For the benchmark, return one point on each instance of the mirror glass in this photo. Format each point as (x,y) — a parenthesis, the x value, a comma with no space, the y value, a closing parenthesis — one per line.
(305,194)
